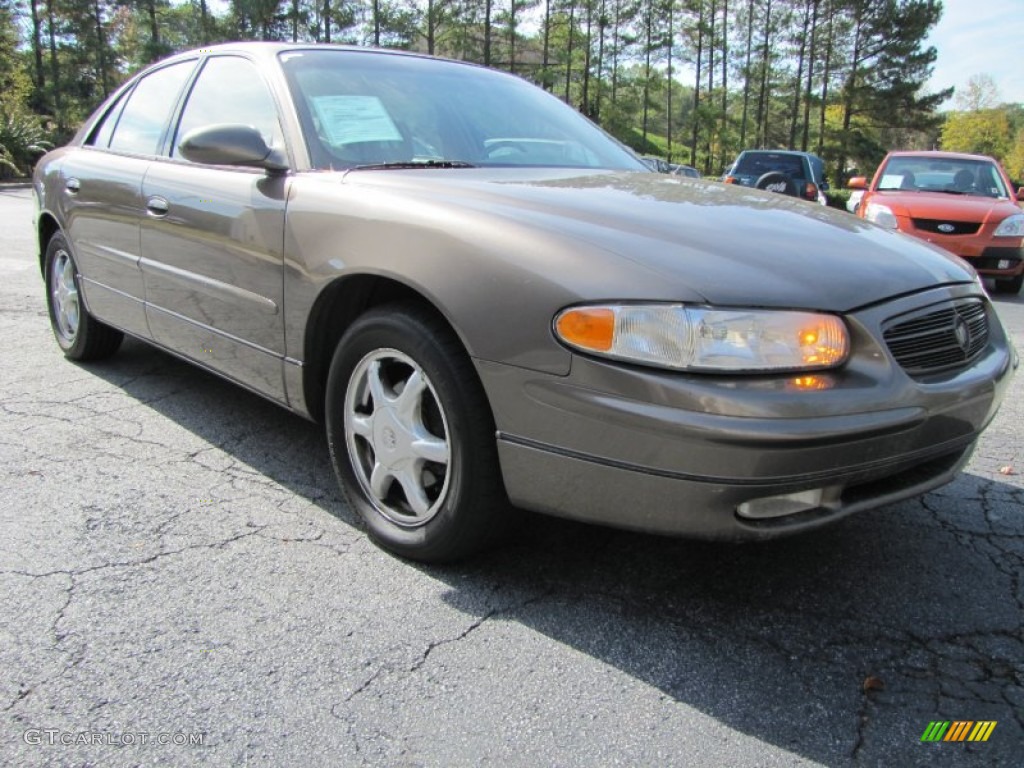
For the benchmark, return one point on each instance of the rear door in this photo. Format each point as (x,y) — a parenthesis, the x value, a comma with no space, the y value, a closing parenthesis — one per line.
(212,238)
(102,195)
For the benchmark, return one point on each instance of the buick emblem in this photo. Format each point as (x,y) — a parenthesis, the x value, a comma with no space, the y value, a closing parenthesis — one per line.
(947,228)
(962,333)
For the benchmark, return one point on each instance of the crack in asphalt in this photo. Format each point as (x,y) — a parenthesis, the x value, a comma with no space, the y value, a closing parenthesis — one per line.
(76,657)
(433,645)
(143,561)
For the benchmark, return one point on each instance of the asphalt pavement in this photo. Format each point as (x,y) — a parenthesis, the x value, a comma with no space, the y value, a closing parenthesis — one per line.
(181,584)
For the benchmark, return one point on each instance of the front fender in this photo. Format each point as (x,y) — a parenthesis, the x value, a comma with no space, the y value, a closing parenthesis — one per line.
(498,279)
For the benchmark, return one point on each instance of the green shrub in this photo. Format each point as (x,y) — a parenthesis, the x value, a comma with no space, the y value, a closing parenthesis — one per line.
(837,198)
(23,138)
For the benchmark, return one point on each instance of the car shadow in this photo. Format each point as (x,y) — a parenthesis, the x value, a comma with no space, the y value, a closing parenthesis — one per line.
(837,646)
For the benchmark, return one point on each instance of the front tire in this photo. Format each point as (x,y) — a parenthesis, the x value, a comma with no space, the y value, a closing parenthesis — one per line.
(412,438)
(1010,285)
(78,333)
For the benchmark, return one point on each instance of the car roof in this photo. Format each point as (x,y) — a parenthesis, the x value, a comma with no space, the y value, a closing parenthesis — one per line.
(796,152)
(261,49)
(815,161)
(939,155)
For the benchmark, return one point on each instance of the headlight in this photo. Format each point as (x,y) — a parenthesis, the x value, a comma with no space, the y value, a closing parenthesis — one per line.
(709,340)
(1011,226)
(881,215)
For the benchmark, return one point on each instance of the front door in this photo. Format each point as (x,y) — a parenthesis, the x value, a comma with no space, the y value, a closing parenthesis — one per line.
(213,237)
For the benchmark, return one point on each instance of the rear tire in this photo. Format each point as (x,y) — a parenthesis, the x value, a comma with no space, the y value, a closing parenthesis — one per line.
(78,333)
(412,438)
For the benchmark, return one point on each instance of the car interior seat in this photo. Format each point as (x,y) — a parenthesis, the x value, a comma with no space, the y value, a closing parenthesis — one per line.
(963,180)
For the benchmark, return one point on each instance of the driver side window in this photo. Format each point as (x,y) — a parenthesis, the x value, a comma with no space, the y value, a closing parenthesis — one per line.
(230,90)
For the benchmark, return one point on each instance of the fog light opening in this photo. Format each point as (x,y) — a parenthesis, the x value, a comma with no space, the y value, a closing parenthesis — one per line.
(789,503)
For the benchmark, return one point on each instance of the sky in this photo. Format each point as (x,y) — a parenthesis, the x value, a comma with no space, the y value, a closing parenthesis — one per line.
(976,37)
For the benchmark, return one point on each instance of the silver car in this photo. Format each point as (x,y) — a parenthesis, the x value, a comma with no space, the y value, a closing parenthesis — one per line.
(491,304)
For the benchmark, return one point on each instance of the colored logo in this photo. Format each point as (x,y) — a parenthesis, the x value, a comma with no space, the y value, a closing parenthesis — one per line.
(958,730)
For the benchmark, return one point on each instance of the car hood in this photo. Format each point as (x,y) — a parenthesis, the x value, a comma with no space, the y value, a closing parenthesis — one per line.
(733,246)
(940,205)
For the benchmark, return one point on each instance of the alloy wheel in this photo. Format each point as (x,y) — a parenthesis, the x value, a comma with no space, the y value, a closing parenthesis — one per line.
(397,437)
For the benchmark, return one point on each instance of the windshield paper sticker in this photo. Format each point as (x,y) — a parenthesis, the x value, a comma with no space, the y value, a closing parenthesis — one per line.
(351,119)
(891,181)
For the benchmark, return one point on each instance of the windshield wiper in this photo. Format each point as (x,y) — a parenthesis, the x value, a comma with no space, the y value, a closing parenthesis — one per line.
(406,164)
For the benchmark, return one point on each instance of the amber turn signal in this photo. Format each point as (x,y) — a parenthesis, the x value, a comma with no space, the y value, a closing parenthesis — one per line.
(587,327)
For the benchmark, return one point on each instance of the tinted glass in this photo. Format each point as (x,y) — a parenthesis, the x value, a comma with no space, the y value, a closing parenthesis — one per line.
(363,108)
(760,163)
(230,90)
(148,109)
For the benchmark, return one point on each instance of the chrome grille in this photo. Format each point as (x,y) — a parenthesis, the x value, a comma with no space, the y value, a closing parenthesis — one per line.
(938,338)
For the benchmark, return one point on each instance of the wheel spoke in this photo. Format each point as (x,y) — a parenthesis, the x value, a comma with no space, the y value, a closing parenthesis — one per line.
(376,385)
(72,317)
(58,300)
(414,492)
(380,480)
(430,448)
(410,401)
(362,425)
(68,275)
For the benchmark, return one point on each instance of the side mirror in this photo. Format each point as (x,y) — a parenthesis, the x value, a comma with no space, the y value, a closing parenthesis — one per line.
(857,182)
(231,144)
(823,186)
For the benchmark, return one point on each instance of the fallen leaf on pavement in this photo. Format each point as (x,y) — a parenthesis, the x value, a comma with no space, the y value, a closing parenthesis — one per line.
(872,683)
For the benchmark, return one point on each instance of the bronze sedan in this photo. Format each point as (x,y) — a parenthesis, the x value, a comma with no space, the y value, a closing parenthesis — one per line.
(493,304)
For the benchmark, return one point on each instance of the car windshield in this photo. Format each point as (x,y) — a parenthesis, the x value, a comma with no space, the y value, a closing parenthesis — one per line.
(376,109)
(979,178)
(760,163)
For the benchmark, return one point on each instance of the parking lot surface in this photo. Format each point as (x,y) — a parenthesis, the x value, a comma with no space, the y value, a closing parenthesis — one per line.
(182,585)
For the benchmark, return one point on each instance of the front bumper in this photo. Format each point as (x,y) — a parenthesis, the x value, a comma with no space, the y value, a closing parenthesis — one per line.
(588,489)
(999,262)
(990,260)
(705,456)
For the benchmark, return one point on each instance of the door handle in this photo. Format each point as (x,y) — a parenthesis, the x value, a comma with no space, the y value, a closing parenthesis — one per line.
(157,206)
(72,186)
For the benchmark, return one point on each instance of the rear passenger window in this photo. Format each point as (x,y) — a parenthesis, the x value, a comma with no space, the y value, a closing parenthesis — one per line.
(105,129)
(149,109)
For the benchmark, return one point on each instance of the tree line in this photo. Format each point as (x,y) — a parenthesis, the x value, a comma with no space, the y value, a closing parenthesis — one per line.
(695,81)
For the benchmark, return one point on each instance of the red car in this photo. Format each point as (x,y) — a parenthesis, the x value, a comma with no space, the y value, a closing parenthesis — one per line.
(963,203)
